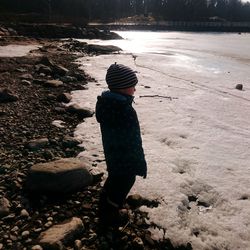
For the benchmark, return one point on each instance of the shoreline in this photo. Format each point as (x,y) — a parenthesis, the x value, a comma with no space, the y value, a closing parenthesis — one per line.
(181,26)
(30,118)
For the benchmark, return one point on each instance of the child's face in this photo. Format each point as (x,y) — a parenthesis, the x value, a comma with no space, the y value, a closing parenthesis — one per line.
(127,91)
(131,90)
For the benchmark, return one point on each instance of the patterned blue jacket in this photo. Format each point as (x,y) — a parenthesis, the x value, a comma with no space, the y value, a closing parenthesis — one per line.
(121,134)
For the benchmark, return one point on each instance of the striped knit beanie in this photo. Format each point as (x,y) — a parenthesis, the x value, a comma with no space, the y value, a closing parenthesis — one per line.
(120,77)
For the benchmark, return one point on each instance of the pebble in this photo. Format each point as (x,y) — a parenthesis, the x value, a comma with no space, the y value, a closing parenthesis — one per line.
(37,247)
(26,82)
(39,222)
(28,241)
(14,229)
(27,77)
(138,243)
(78,245)
(13,237)
(50,219)
(239,86)
(48,224)
(24,213)
(25,234)
(38,230)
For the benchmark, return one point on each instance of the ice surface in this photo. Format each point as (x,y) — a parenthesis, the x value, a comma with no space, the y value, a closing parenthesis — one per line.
(16,50)
(197,145)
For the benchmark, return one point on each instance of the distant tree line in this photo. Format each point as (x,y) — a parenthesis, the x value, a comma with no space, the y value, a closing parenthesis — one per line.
(109,10)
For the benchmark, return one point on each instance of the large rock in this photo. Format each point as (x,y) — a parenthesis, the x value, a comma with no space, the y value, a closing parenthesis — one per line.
(56,68)
(62,234)
(103,49)
(81,112)
(60,70)
(46,61)
(7,96)
(70,142)
(53,83)
(68,79)
(75,45)
(62,176)
(64,97)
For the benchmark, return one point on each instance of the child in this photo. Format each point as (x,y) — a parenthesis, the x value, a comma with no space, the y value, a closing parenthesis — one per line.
(121,139)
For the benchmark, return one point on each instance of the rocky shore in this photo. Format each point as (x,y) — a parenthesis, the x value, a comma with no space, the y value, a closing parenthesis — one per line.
(37,128)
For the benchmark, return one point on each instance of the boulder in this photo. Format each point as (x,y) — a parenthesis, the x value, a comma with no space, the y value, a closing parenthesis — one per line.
(62,234)
(46,61)
(78,76)
(53,83)
(81,112)
(64,97)
(110,35)
(74,45)
(7,96)
(60,70)
(4,207)
(103,49)
(135,200)
(60,110)
(68,79)
(70,142)
(62,176)
(57,69)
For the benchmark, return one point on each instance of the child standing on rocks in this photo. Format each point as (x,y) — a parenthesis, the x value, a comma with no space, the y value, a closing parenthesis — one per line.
(121,139)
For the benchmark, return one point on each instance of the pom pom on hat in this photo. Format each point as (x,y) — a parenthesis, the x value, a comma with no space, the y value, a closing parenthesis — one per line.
(120,77)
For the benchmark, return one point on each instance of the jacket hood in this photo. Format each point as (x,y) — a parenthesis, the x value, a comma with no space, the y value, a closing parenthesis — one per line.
(109,104)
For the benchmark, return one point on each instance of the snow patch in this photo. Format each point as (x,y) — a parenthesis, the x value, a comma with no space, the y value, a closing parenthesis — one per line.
(196,145)
(16,50)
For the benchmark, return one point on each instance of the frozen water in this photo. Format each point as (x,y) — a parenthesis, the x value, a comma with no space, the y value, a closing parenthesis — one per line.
(197,145)
(16,50)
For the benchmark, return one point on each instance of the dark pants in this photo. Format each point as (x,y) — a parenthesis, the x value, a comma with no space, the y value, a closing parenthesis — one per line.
(118,187)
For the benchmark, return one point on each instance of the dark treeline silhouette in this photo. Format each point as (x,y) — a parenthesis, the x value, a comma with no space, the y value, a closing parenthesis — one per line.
(110,10)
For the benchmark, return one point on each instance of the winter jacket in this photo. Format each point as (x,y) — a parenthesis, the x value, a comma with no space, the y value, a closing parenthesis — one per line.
(121,134)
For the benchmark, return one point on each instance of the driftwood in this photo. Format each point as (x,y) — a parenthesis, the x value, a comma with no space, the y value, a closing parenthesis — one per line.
(160,96)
